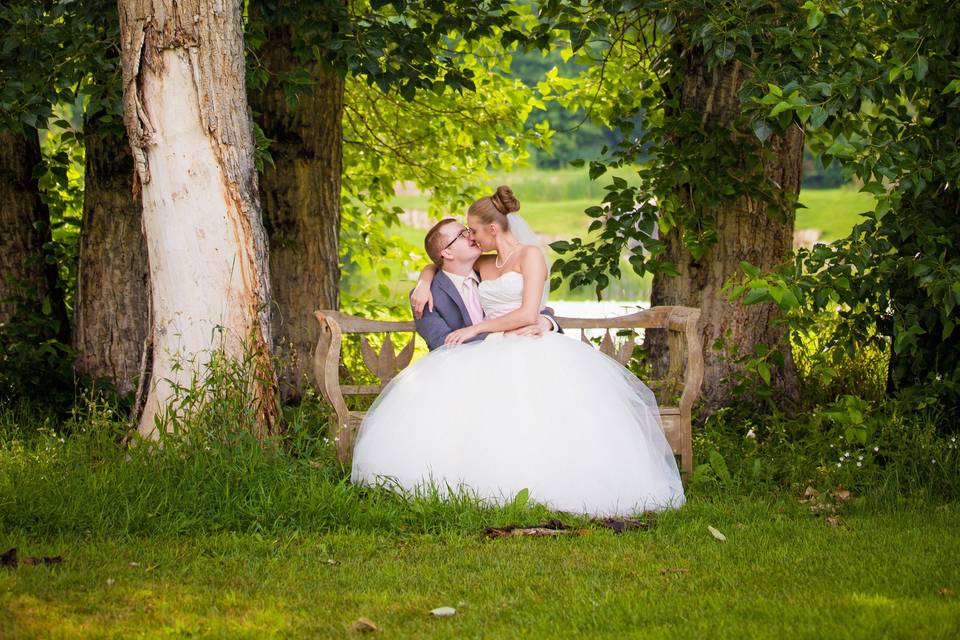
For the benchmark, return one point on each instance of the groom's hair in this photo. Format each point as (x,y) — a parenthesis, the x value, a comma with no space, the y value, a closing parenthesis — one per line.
(434,241)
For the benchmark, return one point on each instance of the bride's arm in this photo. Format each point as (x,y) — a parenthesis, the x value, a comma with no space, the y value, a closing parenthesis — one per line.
(534,270)
(421,296)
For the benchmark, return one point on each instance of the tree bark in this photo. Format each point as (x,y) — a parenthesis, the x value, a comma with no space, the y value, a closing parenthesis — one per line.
(186,114)
(111,312)
(744,232)
(300,195)
(25,274)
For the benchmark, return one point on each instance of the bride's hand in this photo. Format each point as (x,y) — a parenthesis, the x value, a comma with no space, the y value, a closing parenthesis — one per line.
(421,298)
(460,335)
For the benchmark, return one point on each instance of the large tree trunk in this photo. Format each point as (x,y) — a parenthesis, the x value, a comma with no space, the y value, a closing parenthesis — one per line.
(186,114)
(25,275)
(300,195)
(111,313)
(744,232)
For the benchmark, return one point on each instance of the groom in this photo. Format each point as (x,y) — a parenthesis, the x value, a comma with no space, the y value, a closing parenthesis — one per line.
(456,297)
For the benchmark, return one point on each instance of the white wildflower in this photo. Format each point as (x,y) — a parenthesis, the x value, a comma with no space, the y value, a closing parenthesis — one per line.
(859,464)
(751,434)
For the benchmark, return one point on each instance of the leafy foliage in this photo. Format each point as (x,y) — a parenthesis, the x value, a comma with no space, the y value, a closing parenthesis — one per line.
(446,144)
(876,86)
(642,54)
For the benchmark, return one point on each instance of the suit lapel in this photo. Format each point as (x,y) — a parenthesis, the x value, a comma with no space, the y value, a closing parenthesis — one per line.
(446,284)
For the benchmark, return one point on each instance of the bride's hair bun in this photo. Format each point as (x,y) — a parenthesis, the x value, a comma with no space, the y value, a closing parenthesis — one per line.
(504,200)
(494,209)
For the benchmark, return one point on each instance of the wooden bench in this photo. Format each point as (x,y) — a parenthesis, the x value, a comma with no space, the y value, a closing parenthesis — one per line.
(684,372)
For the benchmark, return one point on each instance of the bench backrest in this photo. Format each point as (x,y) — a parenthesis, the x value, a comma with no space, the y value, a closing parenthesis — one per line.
(684,372)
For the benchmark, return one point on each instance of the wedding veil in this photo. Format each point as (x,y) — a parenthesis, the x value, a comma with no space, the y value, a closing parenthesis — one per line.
(522,231)
(524,234)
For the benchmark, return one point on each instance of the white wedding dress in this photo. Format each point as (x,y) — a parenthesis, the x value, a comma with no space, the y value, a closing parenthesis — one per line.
(551,415)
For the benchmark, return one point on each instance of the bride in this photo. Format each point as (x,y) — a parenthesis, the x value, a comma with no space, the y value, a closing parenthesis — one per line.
(550,414)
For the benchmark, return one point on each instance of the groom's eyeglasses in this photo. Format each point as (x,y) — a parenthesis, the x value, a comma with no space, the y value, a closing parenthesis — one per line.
(465,230)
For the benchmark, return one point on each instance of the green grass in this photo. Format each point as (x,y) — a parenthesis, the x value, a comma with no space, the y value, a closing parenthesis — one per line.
(216,535)
(781,573)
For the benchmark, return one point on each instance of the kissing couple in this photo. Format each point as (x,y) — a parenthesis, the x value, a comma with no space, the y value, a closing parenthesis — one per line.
(503,402)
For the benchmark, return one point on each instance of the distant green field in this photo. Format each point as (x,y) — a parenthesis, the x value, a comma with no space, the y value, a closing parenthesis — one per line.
(833,211)
(553,203)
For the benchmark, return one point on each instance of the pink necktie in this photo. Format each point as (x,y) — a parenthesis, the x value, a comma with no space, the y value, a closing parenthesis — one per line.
(471,300)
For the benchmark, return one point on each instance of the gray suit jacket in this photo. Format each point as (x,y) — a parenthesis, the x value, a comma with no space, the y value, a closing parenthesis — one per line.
(449,313)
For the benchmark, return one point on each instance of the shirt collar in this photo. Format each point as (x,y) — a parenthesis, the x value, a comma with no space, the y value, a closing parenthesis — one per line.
(458,279)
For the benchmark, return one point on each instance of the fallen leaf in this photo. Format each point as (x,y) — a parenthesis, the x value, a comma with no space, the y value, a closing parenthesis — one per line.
(30,560)
(809,493)
(364,625)
(110,582)
(316,464)
(945,592)
(716,534)
(9,558)
(841,494)
(674,571)
(833,521)
(546,529)
(819,507)
(619,525)
(443,612)
(331,561)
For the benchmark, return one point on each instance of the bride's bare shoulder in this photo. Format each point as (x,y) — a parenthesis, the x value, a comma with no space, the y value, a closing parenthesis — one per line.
(531,255)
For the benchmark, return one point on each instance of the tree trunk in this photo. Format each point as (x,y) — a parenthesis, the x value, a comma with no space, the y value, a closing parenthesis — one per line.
(111,312)
(744,232)
(186,114)
(25,274)
(300,194)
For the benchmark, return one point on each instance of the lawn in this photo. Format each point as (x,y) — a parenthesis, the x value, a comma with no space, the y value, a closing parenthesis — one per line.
(883,571)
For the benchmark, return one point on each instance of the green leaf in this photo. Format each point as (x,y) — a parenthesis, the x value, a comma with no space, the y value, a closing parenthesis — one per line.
(920,68)
(754,296)
(762,130)
(521,499)
(719,466)
(764,370)
(666,23)
(817,117)
(777,110)
(749,269)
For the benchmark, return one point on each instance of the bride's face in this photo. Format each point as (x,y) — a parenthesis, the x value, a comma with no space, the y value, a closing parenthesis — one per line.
(485,235)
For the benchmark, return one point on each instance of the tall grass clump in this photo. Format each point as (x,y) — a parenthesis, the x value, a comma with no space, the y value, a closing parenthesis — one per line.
(844,430)
(209,473)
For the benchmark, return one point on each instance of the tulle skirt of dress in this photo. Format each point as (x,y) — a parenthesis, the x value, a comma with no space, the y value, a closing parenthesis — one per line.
(551,415)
